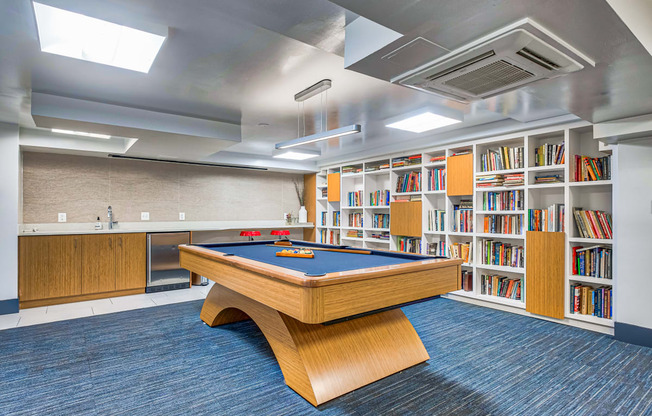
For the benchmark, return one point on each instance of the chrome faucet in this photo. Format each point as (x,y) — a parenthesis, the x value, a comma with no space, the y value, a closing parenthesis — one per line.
(111,222)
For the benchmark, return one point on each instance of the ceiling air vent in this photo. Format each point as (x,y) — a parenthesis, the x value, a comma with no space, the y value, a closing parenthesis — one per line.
(510,58)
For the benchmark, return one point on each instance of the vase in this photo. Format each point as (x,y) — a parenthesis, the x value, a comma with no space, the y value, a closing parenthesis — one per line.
(303,214)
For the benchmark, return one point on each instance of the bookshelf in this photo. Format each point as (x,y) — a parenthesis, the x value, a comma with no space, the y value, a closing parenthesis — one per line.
(531,186)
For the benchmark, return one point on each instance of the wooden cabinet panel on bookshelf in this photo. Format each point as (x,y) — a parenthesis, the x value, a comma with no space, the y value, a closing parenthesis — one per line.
(459,175)
(334,187)
(405,218)
(545,273)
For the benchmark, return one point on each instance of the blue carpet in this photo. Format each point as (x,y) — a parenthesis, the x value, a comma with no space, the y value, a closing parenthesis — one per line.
(165,361)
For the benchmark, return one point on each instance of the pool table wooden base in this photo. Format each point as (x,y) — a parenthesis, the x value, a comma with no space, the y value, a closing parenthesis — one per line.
(322,362)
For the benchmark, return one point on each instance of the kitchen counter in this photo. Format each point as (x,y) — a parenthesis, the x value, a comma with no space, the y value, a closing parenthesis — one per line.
(152,227)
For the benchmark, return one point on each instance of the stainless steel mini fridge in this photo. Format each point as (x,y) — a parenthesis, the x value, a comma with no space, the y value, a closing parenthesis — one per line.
(163,270)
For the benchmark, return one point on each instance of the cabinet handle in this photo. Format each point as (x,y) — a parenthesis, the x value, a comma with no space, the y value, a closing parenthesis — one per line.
(120,241)
(110,243)
(75,243)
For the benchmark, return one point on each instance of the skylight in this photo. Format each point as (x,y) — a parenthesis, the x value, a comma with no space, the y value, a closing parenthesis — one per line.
(74,35)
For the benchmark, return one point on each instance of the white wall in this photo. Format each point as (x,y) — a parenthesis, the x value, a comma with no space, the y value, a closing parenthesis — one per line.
(9,172)
(633,228)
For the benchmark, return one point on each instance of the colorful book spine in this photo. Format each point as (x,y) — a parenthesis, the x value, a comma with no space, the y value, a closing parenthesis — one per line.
(437,179)
(497,253)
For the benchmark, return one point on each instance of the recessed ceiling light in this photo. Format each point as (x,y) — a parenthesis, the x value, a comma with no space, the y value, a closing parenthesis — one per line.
(423,122)
(82,133)
(74,35)
(296,154)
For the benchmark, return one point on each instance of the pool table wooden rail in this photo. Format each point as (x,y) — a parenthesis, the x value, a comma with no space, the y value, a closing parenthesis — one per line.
(332,296)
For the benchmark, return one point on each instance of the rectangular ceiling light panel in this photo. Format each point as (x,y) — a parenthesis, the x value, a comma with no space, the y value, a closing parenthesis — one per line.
(423,122)
(65,33)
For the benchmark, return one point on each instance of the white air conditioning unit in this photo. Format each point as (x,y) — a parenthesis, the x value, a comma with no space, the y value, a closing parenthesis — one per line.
(512,57)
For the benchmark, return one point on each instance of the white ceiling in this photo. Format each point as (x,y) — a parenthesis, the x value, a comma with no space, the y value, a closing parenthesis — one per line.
(241,62)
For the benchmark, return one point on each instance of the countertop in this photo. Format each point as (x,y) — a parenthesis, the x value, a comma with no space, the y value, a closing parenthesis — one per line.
(152,227)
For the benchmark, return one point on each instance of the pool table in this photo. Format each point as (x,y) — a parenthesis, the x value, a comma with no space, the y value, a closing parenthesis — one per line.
(332,321)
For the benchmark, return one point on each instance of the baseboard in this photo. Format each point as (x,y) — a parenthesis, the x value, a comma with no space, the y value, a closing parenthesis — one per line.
(633,334)
(8,306)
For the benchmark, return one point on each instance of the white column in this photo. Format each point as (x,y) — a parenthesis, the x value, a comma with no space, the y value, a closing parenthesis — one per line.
(9,201)
(633,228)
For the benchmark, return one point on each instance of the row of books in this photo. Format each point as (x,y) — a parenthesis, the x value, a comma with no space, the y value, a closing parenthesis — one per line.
(592,168)
(406,161)
(336,219)
(324,216)
(335,237)
(354,233)
(436,220)
(502,201)
(435,159)
(379,198)
(497,253)
(490,181)
(596,261)
(437,179)
(462,251)
(549,154)
(355,199)
(380,221)
(593,224)
(355,219)
(383,235)
(587,300)
(548,178)
(502,158)
(409,244)
(324,192)
(409,182)
(351,169)
(548,219)
(373,168)
(463,217)
(323,235)
(407,198)
(503,224)
(503,286)
(438,248)
(467,280)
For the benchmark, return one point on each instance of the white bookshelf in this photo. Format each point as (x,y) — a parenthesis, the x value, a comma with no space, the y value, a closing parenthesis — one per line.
(597,195)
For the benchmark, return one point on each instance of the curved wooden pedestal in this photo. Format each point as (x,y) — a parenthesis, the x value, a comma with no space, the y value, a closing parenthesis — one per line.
(322,362)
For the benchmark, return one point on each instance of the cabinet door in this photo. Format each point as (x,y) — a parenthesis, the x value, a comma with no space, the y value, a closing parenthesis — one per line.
(333,187)
(49,267)
(64,266)
(459,175)
(405,218)
(545,273)
(98,263)
(33,268)
(130,261)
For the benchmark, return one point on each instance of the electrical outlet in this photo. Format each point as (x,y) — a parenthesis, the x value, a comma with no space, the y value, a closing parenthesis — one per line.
(182,216)
(62,217)
(144,216)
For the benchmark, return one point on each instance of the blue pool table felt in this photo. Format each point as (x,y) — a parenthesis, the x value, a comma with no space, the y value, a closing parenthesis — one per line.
(323,262)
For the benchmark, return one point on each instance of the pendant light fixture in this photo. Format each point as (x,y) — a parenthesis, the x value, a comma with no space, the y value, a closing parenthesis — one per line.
(319,88)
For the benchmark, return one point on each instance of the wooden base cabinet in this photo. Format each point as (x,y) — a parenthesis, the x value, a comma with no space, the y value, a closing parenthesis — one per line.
(71,268)
(49,267)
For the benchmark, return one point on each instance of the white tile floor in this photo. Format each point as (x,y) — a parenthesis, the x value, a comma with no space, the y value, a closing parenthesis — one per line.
(45,314)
